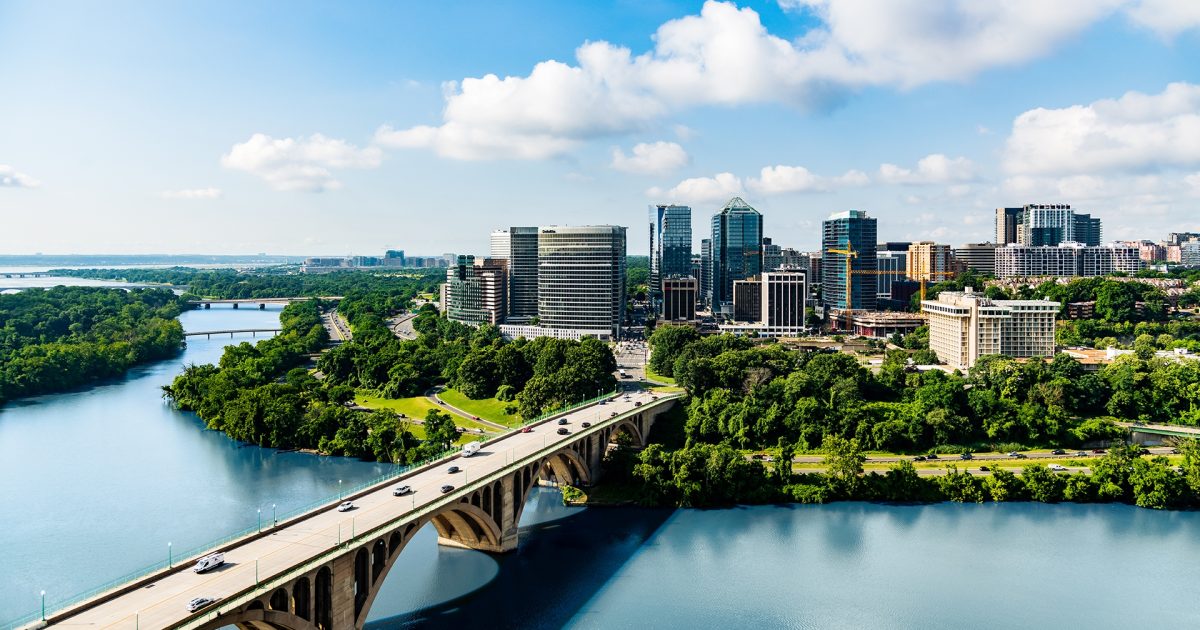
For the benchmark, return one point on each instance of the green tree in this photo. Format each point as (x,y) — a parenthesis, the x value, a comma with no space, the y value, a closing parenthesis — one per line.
(843,464)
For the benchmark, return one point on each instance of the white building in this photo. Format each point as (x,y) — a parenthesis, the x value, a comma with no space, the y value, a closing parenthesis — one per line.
(781,309)
(1068,259)
(964,326)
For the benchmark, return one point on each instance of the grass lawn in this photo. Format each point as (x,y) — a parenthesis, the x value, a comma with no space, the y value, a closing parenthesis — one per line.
(486,408)
(417,407)
(650,374)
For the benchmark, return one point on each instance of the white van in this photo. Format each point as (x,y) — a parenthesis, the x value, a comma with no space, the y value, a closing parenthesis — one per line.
(470,448)
(209,562)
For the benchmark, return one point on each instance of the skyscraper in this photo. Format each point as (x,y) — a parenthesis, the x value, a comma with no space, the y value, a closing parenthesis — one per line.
(1007,220)
(706,271)
(772,255)
(1087,230)
(929,261)
(670,244)
(856,231)
(736,250)
(1046,224)
(523,273)
(581,277)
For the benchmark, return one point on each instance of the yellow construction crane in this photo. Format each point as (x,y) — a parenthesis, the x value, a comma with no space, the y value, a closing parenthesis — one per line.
(902,272)
(850,253)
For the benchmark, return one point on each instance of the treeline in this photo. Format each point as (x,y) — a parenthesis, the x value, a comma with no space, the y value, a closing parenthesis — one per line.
(537,375)
(706,475)
(751,396)
(56,339)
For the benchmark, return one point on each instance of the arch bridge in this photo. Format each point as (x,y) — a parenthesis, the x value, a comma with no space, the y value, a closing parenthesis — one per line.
(322,570)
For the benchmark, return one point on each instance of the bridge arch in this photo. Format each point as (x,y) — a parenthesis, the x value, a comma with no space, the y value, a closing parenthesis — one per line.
(628,427)
(468,526)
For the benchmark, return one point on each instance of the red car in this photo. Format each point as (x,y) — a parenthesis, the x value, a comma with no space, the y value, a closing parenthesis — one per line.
(526,429)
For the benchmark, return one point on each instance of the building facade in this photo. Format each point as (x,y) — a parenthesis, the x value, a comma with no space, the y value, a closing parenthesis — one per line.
(475,290)
(1088,230)
(522,273)
(772,255)
(964,326)
(1007,220)
(581,278)
(670,244)
(706,266)
(895,264)
(929,261)
(780,309)
(979,257)
(679,295)
(850,230)
(1066,260)
(736,250)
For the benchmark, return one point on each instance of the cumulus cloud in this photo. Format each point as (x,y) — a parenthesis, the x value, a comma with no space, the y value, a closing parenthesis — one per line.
(725,56)
(651,159)
(304,164)
(780,179)
(193,193)
(1168,18)
(11,178)
(1137,132)
(935,168)
(720,187)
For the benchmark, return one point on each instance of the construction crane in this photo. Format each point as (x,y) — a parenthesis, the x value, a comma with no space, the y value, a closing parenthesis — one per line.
(850,253)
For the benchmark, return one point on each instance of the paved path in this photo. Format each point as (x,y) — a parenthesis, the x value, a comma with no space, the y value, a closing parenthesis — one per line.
(431,394)
(162,603)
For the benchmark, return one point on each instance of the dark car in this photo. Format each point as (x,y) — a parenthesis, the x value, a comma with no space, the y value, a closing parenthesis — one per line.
(637,404)
(563,431)
(447,488)
(919,458)
(586,424)
(966,456)
(931,456)
(984,468)
(1058,451)
(562,420)
(1098,451)
(453,469)
(612,415)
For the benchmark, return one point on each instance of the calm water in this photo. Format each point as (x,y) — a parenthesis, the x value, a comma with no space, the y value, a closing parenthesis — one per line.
(95,483)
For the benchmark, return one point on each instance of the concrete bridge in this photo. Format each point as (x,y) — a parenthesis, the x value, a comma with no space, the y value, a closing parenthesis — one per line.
(231,332)
(261,302)
(1154,433)
(26,274)
(322,570)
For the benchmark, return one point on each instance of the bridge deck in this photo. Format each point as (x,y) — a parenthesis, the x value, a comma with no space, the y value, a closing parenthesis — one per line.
(292,545)
(231,331)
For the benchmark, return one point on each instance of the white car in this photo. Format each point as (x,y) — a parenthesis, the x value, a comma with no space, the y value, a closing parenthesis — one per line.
(346,506)
(1057,467)
(200,602)
(209,562)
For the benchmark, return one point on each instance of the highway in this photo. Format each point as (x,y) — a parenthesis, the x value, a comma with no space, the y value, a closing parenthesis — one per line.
(337,327)
(162,602)
(978,457)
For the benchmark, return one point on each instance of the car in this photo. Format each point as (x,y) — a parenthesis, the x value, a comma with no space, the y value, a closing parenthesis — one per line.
(563,431)
(931,456)
(1174,451)
(453,469)
(1057,467)
(447,488)
(475,417)
(1058,451)
(346,506)
(919,458)
(586,424)
(637,404)
(401,491)
(984,469)
(603,402)
(562,420)
(1098,451)
(966,456)
(612,415)
(200,602)
(209,562)
(526,429)
(1080,453)
(1020,456)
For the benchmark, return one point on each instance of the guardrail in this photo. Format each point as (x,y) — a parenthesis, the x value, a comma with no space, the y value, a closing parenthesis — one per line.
(182,560)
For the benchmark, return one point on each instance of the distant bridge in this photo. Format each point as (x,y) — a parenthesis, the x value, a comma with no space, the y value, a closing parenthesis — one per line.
(1148,433)
(261,302)
(322,570)
(231,332)
(25,274)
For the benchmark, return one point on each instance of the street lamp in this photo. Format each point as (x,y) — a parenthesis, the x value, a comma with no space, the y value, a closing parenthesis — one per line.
(340,495)
(274,521)
(169,559)
(260,520)
(43,605)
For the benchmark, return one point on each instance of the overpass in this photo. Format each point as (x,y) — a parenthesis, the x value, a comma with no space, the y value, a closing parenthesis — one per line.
(323,569)
(231,332)
(1146,433)
(261,302)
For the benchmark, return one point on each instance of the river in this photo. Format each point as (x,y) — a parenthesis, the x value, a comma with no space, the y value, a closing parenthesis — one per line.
(96,482)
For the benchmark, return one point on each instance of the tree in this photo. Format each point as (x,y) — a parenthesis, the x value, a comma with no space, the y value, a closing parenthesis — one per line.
(843,464)
(1042,484)
(440,431)
(1156,484)
(666,344)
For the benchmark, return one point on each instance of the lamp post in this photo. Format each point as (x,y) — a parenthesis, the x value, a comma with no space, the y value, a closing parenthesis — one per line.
(43,605)
(260,520)
(340,495)
(274,520)
(170,560)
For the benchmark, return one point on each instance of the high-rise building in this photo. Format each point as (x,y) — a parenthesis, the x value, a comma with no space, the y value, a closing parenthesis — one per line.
(500,244)
(1007,220)
(790,258)
(1046,224)
(747,299)
(772,255)
(1087,230)
(670,244)
(736,250)
(581,278)
(463,299)
(1066,260)
(815,262)
(850,230)
(1179,238)
(772,305)
(1189,253)
(894,262)
(929,261)
(394,258)
(979,257)
(964,326)
(522,273)
(706,265)
(679,295)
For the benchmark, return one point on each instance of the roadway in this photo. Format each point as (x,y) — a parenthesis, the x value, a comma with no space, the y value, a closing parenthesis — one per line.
(163,602)
(986,457)
(338,329)
(402,326)
(631,357)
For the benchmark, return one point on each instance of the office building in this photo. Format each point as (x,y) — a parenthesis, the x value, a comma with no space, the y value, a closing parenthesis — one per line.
(892,266)
(772,255)
(853,231)
(581,278)
(815,262)
(790,258)
(780,310)
(1046,224)
(736,250)
(964,326)
(474,292)
(1066,260)
(1087,230)
(679,295)
(1007,220)
(706,271)
(930,261)
(979,257)
(522,272)
(1179,238)
(1189,254)
(670,244)
(393,258)
(747,299)
(500,244)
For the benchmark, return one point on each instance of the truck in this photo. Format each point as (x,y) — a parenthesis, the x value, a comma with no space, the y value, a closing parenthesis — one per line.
(470,448)
(623,373)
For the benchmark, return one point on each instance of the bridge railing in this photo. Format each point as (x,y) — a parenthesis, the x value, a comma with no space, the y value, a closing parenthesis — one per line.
(189,555)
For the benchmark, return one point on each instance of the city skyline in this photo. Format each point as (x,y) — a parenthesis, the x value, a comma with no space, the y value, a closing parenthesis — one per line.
(338,129)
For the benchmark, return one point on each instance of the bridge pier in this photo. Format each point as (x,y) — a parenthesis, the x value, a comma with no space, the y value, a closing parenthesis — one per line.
(262,307)
(207,306)
(235,305)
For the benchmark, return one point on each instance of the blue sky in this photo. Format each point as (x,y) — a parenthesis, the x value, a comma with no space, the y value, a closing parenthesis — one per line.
(339,128)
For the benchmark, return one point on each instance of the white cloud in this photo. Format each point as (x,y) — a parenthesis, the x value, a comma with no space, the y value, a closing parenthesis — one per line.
(702,189)
(725,56)
(299,163)
(1168,18)
(11,178)
(193,193)
(684,132)
(935,168)
(774,180)
(650,159)
(1137,132)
